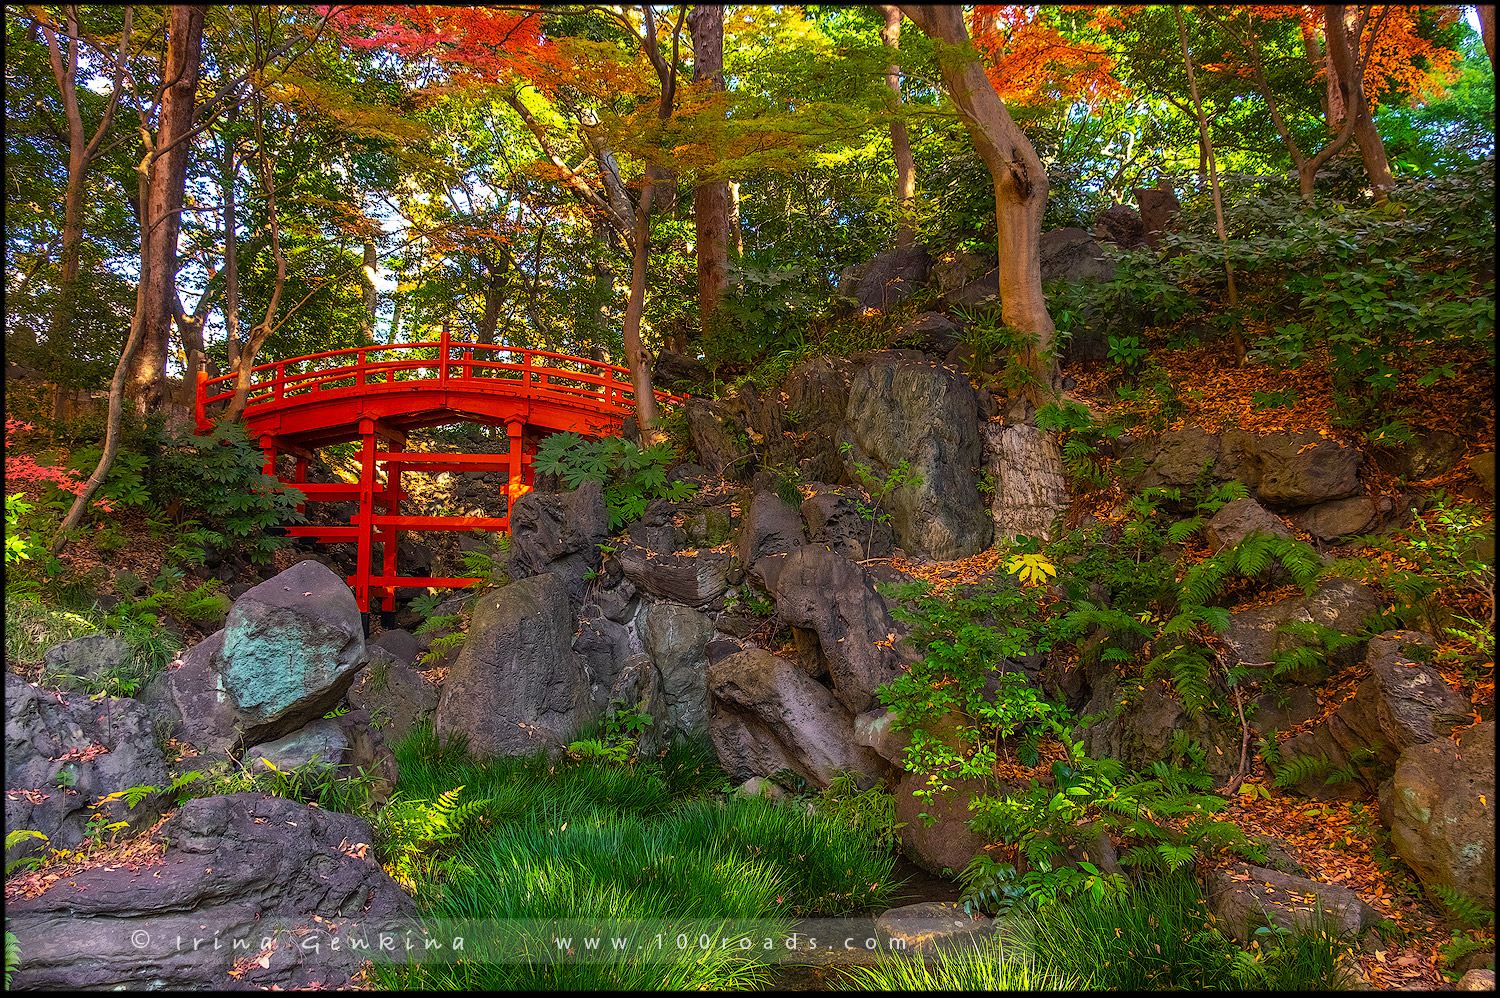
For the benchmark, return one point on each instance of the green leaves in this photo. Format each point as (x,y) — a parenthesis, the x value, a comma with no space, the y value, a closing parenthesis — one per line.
(632,476)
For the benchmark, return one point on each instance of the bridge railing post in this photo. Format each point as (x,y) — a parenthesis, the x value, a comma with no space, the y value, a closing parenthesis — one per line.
(359,372)
(443,342)
(280,381)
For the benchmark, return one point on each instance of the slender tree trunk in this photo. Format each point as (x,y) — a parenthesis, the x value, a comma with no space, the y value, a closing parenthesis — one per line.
(81,153)
(371,296)
(710,200)
(118,383)
(906,167)
(1343,46)
(227,184)
(266,326)
(1020,184)
(735,232)
(1213,170)
(636,357)
(168,180)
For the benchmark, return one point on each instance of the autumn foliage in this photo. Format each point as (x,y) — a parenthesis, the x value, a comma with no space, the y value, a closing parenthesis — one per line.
(1029,60)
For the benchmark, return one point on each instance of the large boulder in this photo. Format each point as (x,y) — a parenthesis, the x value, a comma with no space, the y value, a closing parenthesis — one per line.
(1159,206)
(397,696)
(318,743)
(80,661)
(835,599)
(517,686)
(692,578)
(1238,520)
(1300,469)
(769,532)
(816,396)
(1119,224)
(720,438)
(1328,521)
(638,687)
(289,650)
(1073,255)
(928,416)
(1244,898)
(1136,732)
(931,332)
(63,753)
(769,713)
(1443,812)
(1402,703)
(935,833)
(1254,637)
(676,637)
(289,643)
(559,534)
(238,891)
(884,280)
(840,520)
(1027,468)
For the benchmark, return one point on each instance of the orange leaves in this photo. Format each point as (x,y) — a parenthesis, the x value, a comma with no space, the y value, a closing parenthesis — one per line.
(1029,60)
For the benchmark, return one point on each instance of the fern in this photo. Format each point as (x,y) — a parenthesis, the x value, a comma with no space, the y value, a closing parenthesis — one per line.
(15,838)
(1302,767)
(1467,912)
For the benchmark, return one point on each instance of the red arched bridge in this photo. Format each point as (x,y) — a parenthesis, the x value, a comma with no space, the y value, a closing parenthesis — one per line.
(379,394)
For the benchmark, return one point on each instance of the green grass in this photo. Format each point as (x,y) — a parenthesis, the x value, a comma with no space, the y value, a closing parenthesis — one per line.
(594,840)
(32,626)
(989,967)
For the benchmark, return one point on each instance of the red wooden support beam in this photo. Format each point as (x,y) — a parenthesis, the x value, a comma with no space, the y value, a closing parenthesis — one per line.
(366,516)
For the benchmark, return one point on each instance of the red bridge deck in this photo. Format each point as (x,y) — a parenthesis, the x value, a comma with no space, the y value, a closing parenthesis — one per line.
(384,392)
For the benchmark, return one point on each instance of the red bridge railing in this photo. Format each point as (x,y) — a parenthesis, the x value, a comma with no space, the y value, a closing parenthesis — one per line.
(584,384)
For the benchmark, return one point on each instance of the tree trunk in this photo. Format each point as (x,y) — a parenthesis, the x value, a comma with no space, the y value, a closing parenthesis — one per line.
(1213,173)
(118,383)
(636,357)
(735,232)
(710,200)
(493,298)
(371,296)
(1343,46)
(906,167)
(1020,184)
(1487,30)
(227,183)
(168,180)
(81,153)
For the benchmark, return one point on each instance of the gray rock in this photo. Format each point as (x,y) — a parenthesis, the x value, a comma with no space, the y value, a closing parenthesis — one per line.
(1073,255)
(321,742)
(808,728)
(639,687)
(693,578)
(673,370)
(604,645)
(63,753)
(1441,827)
(722,648)
(1270,714)
(238,868)
(1030,491)
(1300,469)
(1254,637)
(1119,224)
(1338,518)
(884,280)
(1174,458)
(1483,466)
(933,927)
(77,662)
(930,332)
(559,534)
(769,532)
(956,269)
(396,695)
(1135,734)
(944,847)
(1238,520)
(873,729)
(676,637)
(926,415)
(836,598)
(834,520)
(1430,453)
(517,686)
(403,646)
(816,397)
(1476,980)
(759,786)
(1244,898)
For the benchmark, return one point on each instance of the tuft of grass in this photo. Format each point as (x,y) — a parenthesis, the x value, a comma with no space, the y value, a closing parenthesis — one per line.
(988,966)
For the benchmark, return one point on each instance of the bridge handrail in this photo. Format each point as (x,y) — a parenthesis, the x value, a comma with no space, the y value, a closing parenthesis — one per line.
(613,379)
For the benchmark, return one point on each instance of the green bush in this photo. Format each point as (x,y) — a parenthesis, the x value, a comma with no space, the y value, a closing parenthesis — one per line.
(632,477)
